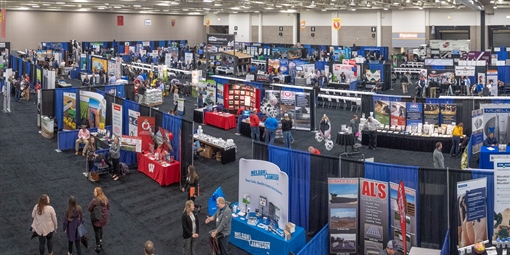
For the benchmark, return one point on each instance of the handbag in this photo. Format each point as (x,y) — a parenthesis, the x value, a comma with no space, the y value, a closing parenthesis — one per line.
(84,241)
(96,214)
(82,231)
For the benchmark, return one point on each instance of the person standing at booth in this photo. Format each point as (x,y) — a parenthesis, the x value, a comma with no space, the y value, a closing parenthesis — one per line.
(490,140)
(254,125)
(457,133)
(372,126)
(190,227)
(115,155)
(286,128)
(271,125)
(223,218)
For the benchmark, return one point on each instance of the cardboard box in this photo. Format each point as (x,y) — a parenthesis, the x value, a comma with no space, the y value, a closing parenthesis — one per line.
(207,152)
(291,227)
(287,235)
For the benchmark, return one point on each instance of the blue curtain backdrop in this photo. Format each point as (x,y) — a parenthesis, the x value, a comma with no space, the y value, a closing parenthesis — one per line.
(297,166)
(173,124)
(119,89)
(395,174)
(504,73)
(59,105)
(489,174)
(319,245)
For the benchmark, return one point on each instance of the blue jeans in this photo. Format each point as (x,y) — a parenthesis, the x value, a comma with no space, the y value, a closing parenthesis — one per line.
(255,133)
(287,139)
(223,242)
(455,146)
(270,134)
(17,95)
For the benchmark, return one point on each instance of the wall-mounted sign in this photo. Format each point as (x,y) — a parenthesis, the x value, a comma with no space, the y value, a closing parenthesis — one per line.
(207,22)
(312,29)
(235,28)
(280,29)
(373,29)
(148,22)
(407,39)
(302,24)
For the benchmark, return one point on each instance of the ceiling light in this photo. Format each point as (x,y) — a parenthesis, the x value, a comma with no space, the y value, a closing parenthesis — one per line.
(235,8)
(117,7)
(353,9)
(421,8)
(408,1)
(508,17)
(163,4)
(278,6)
(397,3)
(218,4)
(46,4)
(495,7)
(60,3)
(194,13)
(385,8)
(101,8)
(137,6)
(269,8)
(323,10)
(174,3)
(208,1)
(23,8)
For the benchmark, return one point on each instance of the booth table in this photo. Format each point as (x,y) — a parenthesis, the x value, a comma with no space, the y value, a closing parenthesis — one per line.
(345,139)
(344,85)
(227,155)
(198,115)
(222,120)
(485,156)
(163,174)
(255,240)
(408,142)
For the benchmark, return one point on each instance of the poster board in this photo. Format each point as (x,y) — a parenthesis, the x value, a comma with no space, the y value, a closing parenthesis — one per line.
(93,108)
(472,209)
(382,110)
(373,201)
(431,113)
(501,198)
(131,143)
(414,114)
(398,114)
(477,130)
(448,114)
(117,119)
(69,104)
(343,215)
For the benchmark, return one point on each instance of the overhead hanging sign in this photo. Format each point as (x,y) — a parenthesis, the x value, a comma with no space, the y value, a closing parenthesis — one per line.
(221,39)
(337,24)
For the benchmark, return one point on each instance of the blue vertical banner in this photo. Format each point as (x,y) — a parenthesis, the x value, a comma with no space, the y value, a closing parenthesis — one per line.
(477,130)
(284,66)
(414,114)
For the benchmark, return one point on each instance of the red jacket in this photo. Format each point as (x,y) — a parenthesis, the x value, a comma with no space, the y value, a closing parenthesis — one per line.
(316,151)
(104,212)
(254,120)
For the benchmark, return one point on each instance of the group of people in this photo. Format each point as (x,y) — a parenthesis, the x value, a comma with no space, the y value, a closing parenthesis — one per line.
(457,136)
(271,124)
(20,88)
(45,224)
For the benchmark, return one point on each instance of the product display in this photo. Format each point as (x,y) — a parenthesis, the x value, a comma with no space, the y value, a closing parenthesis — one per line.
(153,97)
(241,96)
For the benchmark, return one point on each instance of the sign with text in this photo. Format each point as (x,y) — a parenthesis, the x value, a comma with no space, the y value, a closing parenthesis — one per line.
(431,113)
(414,113)
(403,215)
(398,114)
(221,39)
(501,198)
(472,210)
(477,133)
(464,71)
(374,197)
(133,122)
(343,215)
(117,119)
(69,99)
(146,126)
(448,114)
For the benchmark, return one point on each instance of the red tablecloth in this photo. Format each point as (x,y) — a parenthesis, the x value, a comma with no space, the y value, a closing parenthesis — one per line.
(225,121)
(164,175)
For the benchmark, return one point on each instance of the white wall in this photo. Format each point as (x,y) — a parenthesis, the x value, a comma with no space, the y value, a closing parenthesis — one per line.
(454,18)
(278,19)
(499,17)
(217,19)
(357,18)
(408,21)
(317,18)
(243,23)
(386,18)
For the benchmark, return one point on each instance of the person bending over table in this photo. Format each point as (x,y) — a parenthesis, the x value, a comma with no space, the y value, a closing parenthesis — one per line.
(490,141)
(457,132)
(83,137)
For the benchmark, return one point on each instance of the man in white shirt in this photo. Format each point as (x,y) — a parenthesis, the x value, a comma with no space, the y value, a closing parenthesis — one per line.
(467,83)
(372,126)
(112,79)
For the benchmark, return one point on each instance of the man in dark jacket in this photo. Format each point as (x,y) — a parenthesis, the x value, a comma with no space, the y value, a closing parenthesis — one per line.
(286,128)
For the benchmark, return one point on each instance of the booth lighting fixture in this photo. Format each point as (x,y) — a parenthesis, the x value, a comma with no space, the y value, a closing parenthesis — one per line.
(235,8)
(218,4)
(101,8)
(174,3)
(46,4)
(495,7)
(385,8)
(23,8)
(163,4)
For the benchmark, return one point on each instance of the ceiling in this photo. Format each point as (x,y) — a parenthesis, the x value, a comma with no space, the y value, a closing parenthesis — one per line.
(201,7)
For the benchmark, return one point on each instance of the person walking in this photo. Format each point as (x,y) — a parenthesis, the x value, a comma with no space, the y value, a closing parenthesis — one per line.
(286,128)
(176,99)
(91,157)
(223,218)
(192,185)
(457,132)
(190,227)
(101,201)
(115,155)
(73,218)
(271,125)
(438,157)
(254,126)
(354,124)
(45,223)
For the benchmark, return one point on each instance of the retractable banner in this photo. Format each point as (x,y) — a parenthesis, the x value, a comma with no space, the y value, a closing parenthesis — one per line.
(403,215)
(472,210)
(382,109)
(343,215)
(398,114)
(133,122)
(501,199)
(93,108)
(414,114)
(431,113)
(117,119)
(221,39)
(69,99)
(477,127)
(146,126)
(448,114)
(373,215)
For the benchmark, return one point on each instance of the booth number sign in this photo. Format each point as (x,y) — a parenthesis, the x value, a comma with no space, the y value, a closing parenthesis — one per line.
(148,22)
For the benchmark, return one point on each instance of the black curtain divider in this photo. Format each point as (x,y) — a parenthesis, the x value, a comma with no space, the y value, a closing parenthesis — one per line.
(464,110)
(158,116)
(129,92)
(186,147)
(321,167)
(48,102)
(367,104)
(145,111)
(109,100)
(352,168)
(312,113)
(432,198)
(454,177)
(260,151)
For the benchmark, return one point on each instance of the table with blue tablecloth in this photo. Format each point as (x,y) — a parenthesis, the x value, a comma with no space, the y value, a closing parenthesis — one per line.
(485,156)
(256,240)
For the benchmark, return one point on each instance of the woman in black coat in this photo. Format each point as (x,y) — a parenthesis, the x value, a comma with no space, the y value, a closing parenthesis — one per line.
(190,228)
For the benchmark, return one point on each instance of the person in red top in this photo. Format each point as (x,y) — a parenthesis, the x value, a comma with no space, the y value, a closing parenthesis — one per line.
(254,125)
(313,150)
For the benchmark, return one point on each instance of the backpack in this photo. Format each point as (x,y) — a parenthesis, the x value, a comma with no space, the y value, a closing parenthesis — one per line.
(124,169)
(96,214)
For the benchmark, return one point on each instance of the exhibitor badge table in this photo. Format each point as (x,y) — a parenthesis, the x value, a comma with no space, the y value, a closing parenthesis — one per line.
(164,174)
(256,240)
(221,120)
(485,156)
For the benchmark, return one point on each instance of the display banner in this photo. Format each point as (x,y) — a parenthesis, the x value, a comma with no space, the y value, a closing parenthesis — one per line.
(382,109)
(117,119)
(284,66)
(83,61)
(477,133)
(221,39)
(146,126)
(448,114)
(338,69)
(501,198)
(188,58)
(302,118)
(337,23)
(373,75)
(273,66)
(343,215)
(180,106)
(472,210)
(93,108)
(403,210)
(264,187)
(99,64)
(69,110)
(492,78)
(374,197)
(219,94)
(398,114)
(195,77)
(302,24)
(4,20)
(131,143)
(464,71)
(414,114)
(133,122)
(270,105)
(211,88)
(431,114)
(494,118)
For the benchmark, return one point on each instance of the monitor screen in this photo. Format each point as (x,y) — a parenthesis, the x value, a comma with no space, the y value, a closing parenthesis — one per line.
(271,210)
(299,68)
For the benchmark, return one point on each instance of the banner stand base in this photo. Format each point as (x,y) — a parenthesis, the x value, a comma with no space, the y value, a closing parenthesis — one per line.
(57,150)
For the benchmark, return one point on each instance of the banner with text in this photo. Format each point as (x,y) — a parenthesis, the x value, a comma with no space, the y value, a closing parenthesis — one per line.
(374,215)
(69,110)
(146,126)
(414,114)
(133,122)
(343,215)
(494,118)
(117,119)
(93,108)
(501,198)
(221,39)
(477,127)
(472,210)
(382,109)
(448,114)
(398,114)
(431,114)
(403,201)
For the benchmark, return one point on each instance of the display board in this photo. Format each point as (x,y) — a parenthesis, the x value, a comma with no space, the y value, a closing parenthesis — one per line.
(403,204)
(343,215)
(263,187)
(477,130)
(373,215)
(99,64)
(146,127)
(472,210)
(240,95)
(297,105)
(448,114)
(496,117)
(117,119)
(414,114)
(431,114)
(69,104)
(398,114)
(501,198)
(133,122)
(93,108)
(382,111)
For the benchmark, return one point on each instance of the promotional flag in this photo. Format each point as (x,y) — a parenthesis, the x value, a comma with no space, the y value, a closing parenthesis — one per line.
(120,21)
(302,24)
(336,23)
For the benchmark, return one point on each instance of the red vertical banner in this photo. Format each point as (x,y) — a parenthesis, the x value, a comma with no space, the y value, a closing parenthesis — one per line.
(3,19)
(120,21)
(401,201)
(146,126)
